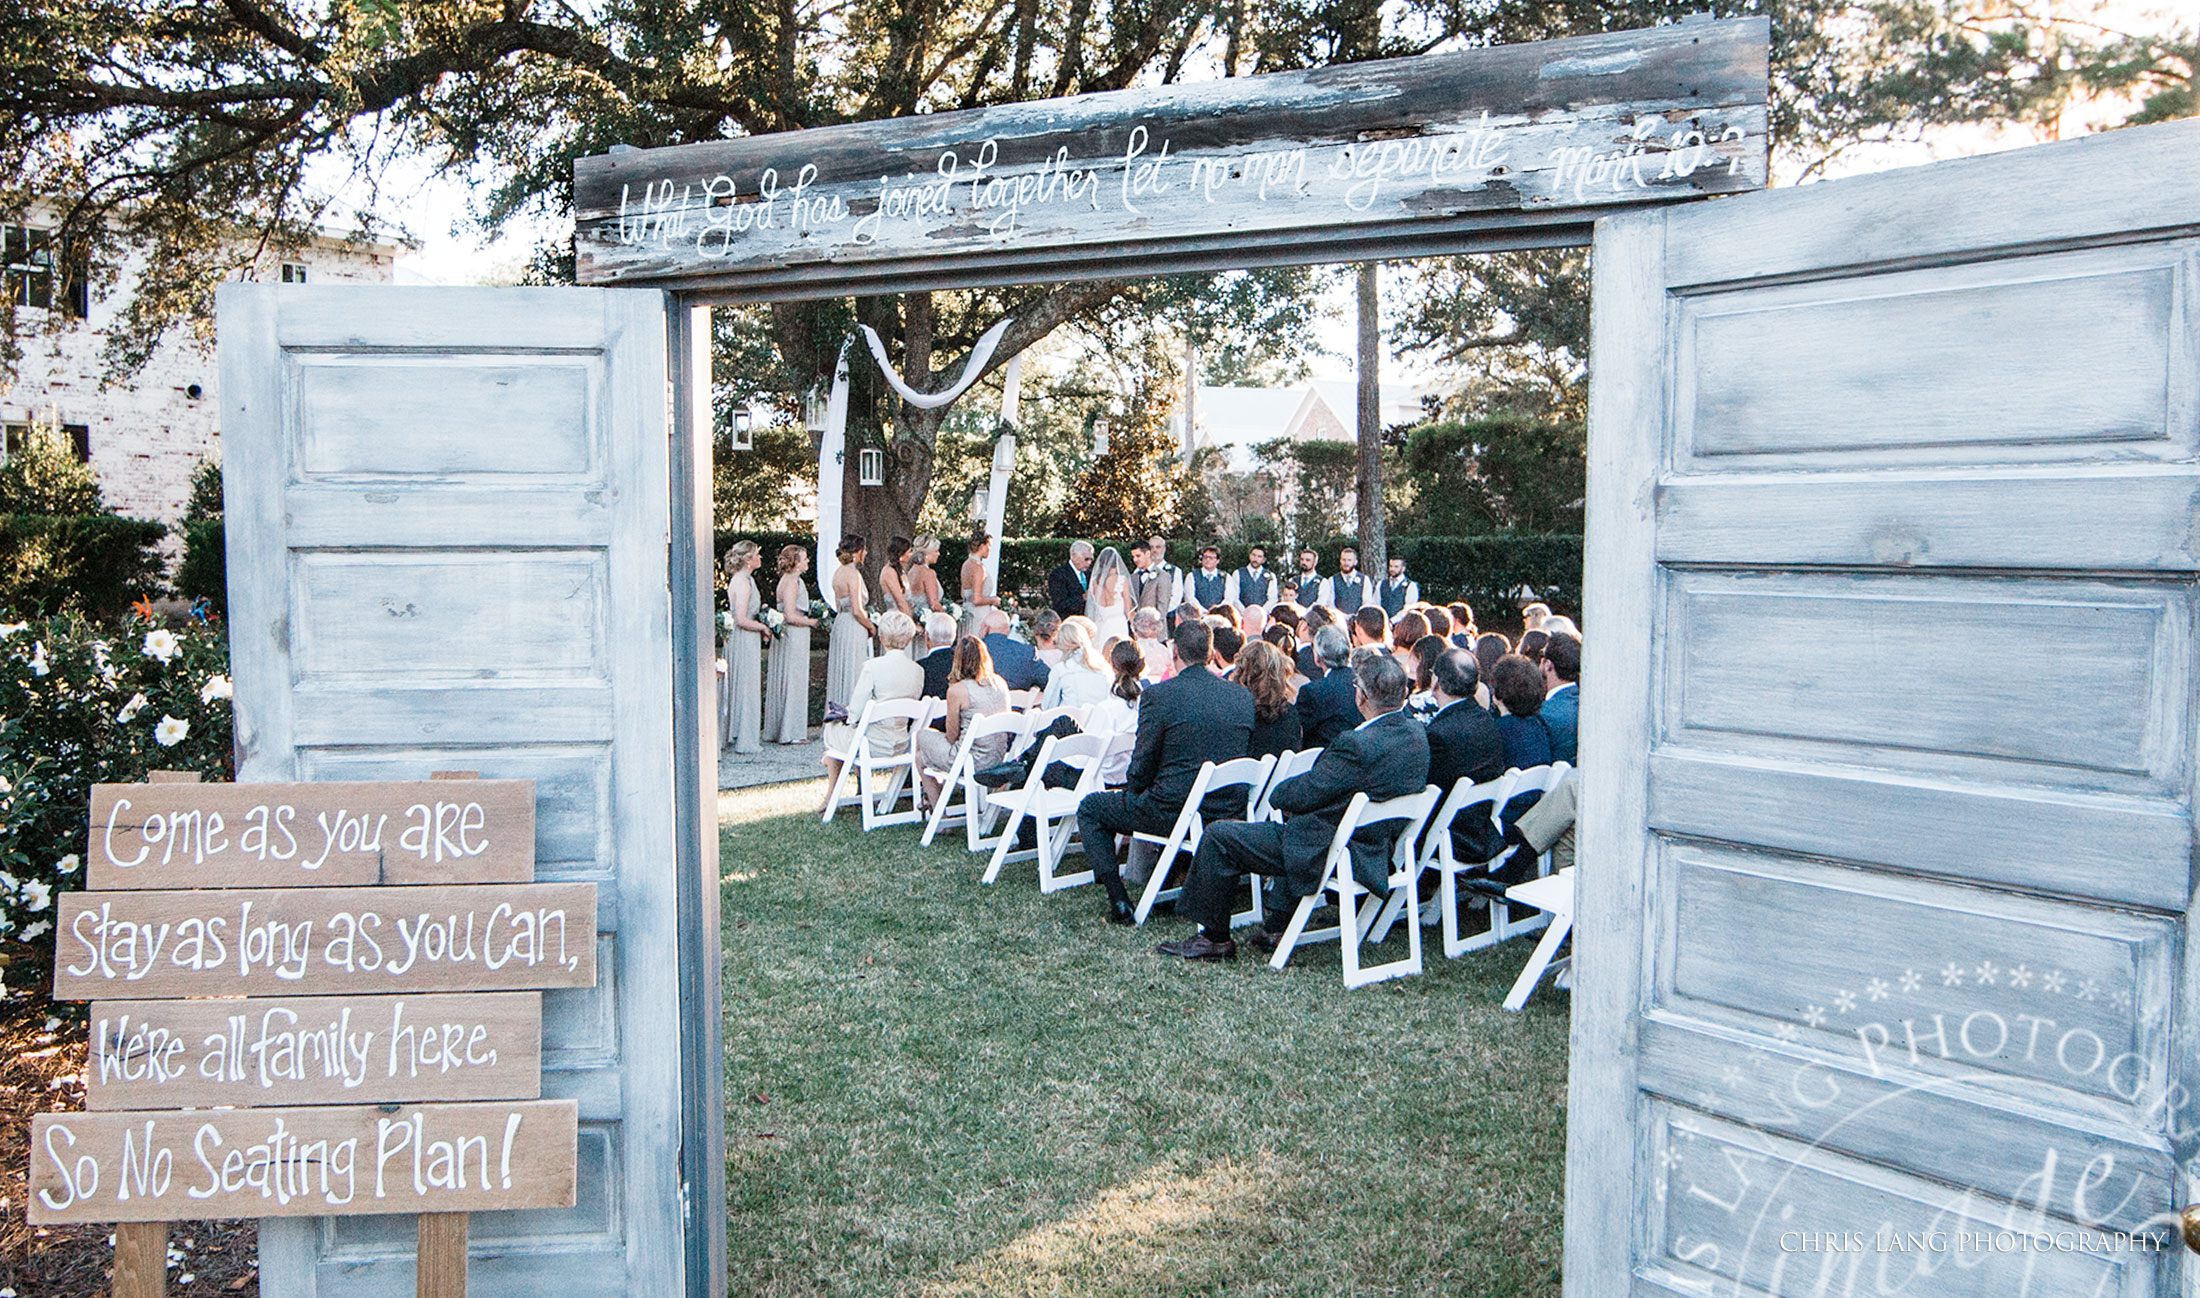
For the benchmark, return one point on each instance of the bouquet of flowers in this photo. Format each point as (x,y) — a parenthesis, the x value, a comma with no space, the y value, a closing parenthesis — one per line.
(816,609)
(954,610)
(725,620)
(774,622)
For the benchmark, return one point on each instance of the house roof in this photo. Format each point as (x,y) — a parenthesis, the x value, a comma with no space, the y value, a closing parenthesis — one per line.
(1239,419)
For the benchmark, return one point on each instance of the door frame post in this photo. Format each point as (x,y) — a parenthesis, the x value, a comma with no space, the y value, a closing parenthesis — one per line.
(690,560)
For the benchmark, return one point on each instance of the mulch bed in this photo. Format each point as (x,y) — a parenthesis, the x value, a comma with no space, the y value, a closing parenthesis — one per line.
(42,1050)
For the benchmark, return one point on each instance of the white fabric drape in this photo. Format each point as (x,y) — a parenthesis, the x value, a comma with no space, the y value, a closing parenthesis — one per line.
(972,368)
(832,452)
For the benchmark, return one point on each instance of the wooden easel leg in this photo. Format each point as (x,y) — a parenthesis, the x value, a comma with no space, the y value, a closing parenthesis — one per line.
(442,1271)
(141,1259)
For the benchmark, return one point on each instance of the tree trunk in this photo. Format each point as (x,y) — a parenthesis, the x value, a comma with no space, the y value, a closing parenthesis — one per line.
(1373,538)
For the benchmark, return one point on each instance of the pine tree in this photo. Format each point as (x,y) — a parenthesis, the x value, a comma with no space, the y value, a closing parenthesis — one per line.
(1133,490)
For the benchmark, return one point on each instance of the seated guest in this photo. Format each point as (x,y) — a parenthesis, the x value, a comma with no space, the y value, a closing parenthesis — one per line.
(1385,756)
(1264,672)
(1044,625)
(1426,650)
(1314,619)
(1487,650)
(1439,622)
(1561,710)
(1531,617)
(1012,658)
(891,675)
(1083,677)
(1286,643)
(1227,643)
(1326,709)
(1531,645)
(1368,626)
(939,631)
(1146,626)
(1190,719)
(973,691)
(1119,710)
(1223,615)
(1462,624)
(1405,632)
(1252,620)
(1517,685)
(1558,624)
(1464,743)
(1285,615)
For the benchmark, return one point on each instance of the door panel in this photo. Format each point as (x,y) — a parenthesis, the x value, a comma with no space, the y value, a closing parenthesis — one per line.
(448,517)
(1887,734)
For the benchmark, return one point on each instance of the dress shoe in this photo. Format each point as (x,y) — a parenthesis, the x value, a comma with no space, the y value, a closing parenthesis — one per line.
(1198,947)
(1123,913)
(1263,940)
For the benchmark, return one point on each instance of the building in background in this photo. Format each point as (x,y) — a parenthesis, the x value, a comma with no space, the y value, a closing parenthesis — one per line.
(1233,424)
(143,437)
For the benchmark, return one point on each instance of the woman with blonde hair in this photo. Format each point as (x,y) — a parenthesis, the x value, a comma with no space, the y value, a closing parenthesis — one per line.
(1083,678)
(850,647)
(892,675)
(1263,670)
(973,691)
(740,722)
(787,674)
(919,579)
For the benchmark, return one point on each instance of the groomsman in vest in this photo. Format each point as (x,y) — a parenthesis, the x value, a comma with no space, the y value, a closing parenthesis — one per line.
(1157,584)
(1349,591)
(1306,588)
(1398,592)
(1209,585)
(1253,586)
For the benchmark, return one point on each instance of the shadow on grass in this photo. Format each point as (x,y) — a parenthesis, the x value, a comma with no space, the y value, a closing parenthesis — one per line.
(936,1088)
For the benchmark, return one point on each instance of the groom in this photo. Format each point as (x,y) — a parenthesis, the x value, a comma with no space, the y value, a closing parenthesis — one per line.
(1068,584)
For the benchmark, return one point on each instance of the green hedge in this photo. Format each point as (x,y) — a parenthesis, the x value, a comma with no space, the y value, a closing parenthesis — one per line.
(204,573)
(94,564)
(1485,571)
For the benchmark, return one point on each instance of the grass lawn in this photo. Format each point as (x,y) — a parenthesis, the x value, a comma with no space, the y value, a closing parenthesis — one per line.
(934,1088)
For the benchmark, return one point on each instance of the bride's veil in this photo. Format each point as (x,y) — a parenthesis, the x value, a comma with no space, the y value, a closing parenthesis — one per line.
(1109,562)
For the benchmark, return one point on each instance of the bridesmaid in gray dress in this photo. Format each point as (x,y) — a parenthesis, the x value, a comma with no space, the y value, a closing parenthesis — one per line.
(787,677)
(852,629)
(742,729)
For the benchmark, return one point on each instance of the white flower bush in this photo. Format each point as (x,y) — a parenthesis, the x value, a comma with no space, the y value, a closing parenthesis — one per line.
(81,705)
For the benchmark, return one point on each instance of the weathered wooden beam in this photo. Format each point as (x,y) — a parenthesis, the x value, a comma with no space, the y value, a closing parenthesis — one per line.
(1330,160)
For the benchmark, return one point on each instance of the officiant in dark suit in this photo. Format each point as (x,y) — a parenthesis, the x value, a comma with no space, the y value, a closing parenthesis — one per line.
(1186,721)
(1385,756)
(1069,583)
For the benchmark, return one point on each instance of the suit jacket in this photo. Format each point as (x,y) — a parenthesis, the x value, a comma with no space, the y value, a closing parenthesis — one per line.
(1191,718)
(1066,591)
(1280,733)
(1527,742)
(1561,713)
(1463,742)
(1016,662)
(1326,708)
(938,666)
(1386,759)
(1309,666)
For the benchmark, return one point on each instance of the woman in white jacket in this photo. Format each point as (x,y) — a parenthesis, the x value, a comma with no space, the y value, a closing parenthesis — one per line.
(1083,678)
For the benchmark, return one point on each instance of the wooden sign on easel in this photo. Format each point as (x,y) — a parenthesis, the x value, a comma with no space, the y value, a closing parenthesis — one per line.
(378,1047)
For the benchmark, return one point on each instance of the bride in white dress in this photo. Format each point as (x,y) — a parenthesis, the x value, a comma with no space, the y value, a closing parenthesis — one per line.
(1108,598)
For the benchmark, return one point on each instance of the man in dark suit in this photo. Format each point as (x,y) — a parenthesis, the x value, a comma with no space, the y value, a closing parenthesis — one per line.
(1463,743)
(1311,621)
(1561,710)
(1192,718)
(939,661)
(1013,661)
(1069,583)
(1326,709)
(1385,756)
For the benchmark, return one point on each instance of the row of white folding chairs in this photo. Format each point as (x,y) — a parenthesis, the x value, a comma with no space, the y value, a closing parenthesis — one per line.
(962,798)
(1489,798)
(1409,857)
(882,781)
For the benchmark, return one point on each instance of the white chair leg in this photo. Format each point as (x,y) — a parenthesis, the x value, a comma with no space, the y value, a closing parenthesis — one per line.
(1001,849)
(1155,882)
(1553,937)
(1289,942)
(833,795)
(949,786)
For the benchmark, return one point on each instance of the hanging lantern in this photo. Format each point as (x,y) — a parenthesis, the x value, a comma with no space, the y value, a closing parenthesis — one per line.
(813,412)
(744,430)
(978,502)
(871,467)
(1100,435)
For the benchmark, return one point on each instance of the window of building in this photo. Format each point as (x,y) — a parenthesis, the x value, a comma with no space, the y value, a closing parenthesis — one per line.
(79,437)
(294,272)
(32,270)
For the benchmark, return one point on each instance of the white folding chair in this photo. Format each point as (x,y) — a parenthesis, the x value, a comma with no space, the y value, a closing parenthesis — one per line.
(1039,719)
(900,768)
(1022,700)
(1250,773)
(1053,812)
(1288,764)
(961,796)
(1353,925)
(1553,894)
(1469,799)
